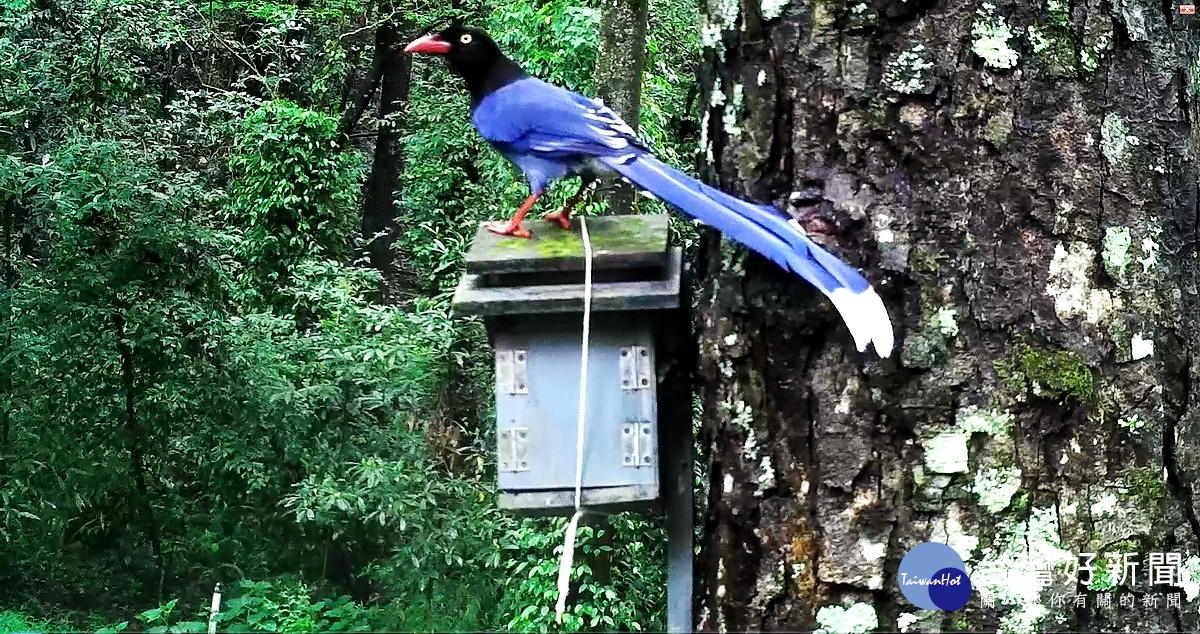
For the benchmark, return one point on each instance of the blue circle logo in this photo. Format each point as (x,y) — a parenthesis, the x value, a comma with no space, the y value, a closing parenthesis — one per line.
(932,576)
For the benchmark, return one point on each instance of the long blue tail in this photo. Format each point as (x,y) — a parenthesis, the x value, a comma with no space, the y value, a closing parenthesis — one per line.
(766,232)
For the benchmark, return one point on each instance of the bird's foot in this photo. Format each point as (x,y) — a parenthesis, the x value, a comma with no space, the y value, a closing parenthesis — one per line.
(816,222)
(509,229)
(820,226)
(563,218)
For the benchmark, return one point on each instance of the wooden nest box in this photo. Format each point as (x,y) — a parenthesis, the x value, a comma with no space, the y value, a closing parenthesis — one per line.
(530,293)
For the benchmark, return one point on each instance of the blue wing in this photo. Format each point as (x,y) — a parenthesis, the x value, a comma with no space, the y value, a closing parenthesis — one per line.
(549,131)
(530,116)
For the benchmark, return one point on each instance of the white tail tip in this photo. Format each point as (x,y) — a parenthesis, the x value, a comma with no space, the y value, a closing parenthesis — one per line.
(867,319)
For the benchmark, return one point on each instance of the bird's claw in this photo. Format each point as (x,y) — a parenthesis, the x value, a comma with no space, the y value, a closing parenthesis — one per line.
(820,226)
(561,218)
(816,222)
(509,229)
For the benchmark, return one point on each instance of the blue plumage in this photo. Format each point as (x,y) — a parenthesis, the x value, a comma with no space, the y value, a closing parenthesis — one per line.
(551,133)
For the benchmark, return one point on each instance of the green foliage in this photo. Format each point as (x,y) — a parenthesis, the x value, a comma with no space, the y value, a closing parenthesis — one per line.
(561,49)
(612,585)
(294,193)
(273,11)
(672,56)
(283,606)
(1102,580)
(11,621)
(444,535)
(290,607)
(197,381)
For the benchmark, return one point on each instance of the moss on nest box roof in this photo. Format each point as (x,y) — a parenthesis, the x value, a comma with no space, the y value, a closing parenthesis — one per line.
(617,242)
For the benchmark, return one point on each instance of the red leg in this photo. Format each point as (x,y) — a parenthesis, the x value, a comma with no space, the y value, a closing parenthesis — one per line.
(513,226)
(563,216)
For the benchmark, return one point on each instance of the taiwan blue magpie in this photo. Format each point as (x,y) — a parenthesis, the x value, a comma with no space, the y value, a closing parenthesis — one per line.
(551,133)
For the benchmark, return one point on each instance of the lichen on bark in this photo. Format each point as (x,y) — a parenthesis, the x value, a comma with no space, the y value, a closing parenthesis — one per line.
(1032,225)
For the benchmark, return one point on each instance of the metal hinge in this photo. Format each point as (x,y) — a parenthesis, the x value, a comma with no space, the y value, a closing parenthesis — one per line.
(636,373)
(637,444)
(512,374)
(513,449)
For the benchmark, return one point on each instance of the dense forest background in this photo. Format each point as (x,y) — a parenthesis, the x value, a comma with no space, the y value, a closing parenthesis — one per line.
(224,360)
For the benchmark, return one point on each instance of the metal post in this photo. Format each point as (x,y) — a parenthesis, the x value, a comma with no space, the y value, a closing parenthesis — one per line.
(677,447)
(679,493)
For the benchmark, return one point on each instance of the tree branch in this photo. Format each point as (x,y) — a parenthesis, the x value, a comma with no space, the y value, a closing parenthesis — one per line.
(359,104)
(366,27)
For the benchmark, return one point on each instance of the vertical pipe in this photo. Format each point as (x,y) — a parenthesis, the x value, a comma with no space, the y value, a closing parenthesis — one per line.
(680,547)
(678,353)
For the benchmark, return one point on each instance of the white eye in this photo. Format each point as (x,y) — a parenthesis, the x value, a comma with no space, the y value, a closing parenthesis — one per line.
(465,38)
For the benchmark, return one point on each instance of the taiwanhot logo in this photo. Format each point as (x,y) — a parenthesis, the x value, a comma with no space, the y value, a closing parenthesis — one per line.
(932,576)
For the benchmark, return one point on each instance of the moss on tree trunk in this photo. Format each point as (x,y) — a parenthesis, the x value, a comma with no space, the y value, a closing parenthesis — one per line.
(1018,181)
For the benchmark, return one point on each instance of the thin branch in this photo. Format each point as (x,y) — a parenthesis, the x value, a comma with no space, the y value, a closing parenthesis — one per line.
(196,71)
(367,27)
(96,78)
(220,40)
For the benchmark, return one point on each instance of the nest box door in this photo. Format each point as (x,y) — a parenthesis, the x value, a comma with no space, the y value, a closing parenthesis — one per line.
(537,369)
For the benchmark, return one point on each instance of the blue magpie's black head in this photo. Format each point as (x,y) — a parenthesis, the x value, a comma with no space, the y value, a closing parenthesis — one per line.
(472,55)
(466,49)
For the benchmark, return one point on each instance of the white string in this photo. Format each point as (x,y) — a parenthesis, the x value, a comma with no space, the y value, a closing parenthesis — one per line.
(564,566)
(215,610)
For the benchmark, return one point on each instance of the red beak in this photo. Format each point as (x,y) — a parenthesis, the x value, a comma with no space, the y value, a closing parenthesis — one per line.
(429,44)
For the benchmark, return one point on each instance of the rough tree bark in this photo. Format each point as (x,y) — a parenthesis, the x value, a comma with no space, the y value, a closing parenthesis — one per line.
(379,222)
(619,65)
(1018,180)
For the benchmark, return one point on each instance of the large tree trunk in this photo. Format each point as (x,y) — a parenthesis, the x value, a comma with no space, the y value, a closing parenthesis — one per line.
(1030,218)
(379,222)
(619,65)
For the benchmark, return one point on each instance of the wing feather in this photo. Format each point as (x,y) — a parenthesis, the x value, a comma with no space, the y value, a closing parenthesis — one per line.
(530,115)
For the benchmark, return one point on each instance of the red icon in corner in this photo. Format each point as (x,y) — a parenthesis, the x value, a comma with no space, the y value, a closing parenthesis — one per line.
(1187,9)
